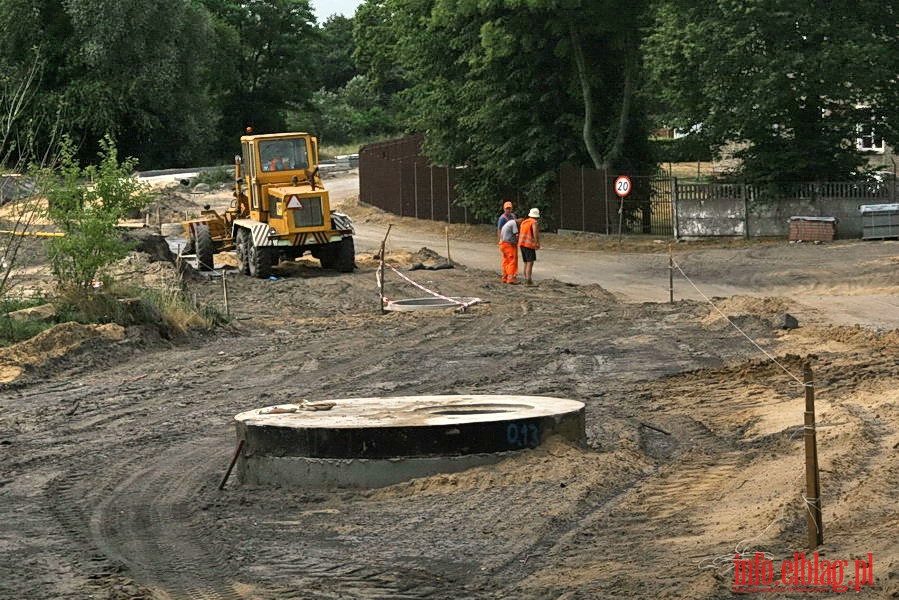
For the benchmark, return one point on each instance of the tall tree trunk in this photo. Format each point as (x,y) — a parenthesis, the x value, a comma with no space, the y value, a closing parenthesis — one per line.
(587,93)
(616,151)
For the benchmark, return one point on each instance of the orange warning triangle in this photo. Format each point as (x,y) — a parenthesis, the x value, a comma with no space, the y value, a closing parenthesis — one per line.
(294,202)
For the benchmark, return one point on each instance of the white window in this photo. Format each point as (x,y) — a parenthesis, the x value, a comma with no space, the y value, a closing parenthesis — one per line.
(869,140)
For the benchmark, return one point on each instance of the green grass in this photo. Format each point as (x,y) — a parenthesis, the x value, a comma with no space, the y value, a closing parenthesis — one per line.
(328,152)
(216,176)
(169,310)
(690,172)
(177,315)
(12,331)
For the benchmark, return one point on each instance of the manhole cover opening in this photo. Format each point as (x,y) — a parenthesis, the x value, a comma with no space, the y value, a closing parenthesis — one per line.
(411,304)
(474,409)
(469,411)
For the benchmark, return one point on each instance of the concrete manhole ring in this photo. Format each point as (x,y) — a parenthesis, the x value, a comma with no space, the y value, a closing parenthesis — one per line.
(369,442)
(411,304)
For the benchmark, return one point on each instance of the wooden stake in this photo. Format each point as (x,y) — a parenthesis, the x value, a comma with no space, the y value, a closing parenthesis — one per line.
(812,480)
(449,260)
(225,293)
(231,466)
(381,269)
(670,276)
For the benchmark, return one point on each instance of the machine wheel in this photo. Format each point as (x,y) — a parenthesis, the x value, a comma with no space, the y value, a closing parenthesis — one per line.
(241,250)
(204,247)
(327,255)
(259,260)
(346,255)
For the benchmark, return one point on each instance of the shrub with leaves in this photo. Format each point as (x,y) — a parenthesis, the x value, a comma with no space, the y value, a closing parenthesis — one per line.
(87,204)
(215,176)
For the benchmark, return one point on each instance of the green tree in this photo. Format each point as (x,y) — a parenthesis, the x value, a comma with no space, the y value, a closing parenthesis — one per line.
(788,81)
(512,88)
(377,35)
(335,52)
(353,113)
(273,46)
(135,70)
(87,205)
(348,107)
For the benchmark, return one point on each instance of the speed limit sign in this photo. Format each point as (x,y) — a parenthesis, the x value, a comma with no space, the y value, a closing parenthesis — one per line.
(623,185)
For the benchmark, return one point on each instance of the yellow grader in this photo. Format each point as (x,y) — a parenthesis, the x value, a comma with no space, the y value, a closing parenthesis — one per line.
(280,210)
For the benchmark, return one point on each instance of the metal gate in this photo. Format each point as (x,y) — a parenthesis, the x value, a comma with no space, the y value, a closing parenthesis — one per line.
(587,202)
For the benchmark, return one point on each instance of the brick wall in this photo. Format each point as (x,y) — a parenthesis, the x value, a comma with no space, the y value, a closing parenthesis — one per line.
(812,231)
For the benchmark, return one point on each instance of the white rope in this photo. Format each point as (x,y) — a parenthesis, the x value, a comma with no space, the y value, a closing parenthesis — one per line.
(423,288)
(462,305)
(378,280)
(726,561)
(803,428)
(809,503)
(752,341)
(741,549)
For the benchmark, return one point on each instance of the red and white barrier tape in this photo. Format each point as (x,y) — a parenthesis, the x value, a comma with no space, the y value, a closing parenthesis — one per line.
(424,289)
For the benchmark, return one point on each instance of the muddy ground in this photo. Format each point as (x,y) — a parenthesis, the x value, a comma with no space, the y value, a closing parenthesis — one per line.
(113,442)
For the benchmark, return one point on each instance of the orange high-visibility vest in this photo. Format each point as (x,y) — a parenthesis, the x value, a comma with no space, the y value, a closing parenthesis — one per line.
(529,234)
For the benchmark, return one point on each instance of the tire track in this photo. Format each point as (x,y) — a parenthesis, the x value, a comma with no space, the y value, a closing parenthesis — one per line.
(147,517)
(151,522)
(319,579)
(604,530)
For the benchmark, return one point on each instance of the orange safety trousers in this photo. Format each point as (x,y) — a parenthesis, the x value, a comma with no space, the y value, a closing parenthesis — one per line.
(510,261)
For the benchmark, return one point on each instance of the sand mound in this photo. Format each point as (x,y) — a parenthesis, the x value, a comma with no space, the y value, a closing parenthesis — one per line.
(765,308)
(52,344)
(400,259)
(557,462)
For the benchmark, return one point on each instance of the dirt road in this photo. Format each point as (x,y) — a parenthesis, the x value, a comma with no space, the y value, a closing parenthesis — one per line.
(847,282)
(111,453)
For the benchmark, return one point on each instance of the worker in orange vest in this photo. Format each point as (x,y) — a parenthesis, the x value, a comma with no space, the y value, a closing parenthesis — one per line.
(508,245)
(507,249)
(529,242)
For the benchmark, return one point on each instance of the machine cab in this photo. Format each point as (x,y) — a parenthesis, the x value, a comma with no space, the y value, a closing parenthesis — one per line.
(283,155)
(267,155)
(282,210)
(280,173)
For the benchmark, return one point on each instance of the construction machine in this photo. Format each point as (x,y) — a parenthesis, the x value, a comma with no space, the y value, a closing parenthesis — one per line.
(280,210)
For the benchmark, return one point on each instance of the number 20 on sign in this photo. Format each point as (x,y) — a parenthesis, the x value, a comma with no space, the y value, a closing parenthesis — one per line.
(623,185)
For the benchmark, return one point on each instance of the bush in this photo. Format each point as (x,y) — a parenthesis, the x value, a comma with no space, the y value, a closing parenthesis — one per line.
(178,315)
(87,205)
(215,176)
(354,112)
(166,309)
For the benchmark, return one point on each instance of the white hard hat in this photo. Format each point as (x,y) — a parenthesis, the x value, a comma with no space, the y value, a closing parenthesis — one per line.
(534,213)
